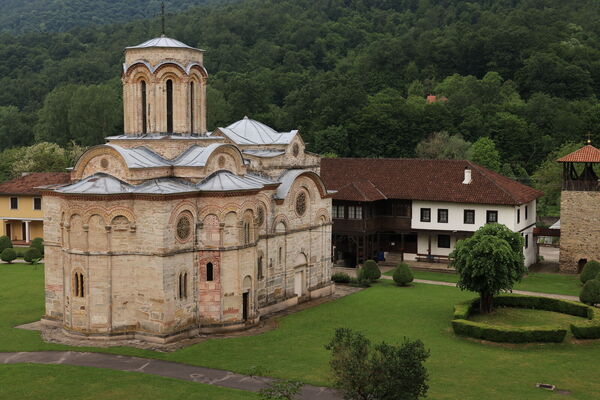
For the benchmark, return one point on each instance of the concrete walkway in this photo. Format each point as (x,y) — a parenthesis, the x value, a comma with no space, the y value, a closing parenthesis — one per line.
(160,368)
(549,295)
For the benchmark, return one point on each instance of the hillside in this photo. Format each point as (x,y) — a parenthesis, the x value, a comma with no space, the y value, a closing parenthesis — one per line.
(20,16)
(352,75)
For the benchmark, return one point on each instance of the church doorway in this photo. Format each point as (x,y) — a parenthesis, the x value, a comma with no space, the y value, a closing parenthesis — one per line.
(299,283)
(245,305)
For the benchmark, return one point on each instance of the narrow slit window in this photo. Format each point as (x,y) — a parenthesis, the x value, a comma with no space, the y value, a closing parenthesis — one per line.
(185,285)
(191,107)
(169,106)
(209,272)
(144,107)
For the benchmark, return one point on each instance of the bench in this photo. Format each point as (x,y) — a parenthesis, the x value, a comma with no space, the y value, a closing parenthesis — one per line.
(432,258)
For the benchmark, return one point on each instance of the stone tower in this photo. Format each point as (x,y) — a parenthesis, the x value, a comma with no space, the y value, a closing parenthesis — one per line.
(579,209)
(164,88)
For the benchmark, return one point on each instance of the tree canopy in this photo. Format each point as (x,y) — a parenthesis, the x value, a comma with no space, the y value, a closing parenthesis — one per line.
(489,262)
(352,75)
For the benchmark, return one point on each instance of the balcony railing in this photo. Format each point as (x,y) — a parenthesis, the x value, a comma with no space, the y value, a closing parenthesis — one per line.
(581,185)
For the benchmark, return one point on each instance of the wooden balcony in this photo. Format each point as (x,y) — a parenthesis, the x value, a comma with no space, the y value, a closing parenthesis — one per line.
(376,224)
(581,185)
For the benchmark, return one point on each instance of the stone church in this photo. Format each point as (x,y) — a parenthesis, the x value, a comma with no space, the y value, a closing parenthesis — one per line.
(168,230)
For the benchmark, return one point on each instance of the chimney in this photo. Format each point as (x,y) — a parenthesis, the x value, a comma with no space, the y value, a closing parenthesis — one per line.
(468,178)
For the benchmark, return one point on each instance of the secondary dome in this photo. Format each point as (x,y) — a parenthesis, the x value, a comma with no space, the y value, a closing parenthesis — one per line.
(162,41)
(249,131)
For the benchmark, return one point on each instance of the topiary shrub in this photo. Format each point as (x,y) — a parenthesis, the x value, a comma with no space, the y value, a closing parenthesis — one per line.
(340,277)
(38,243)
(8,255)
(5,243)
(590,271)
(590,294)
(370,271)
(403,275)
(32,256)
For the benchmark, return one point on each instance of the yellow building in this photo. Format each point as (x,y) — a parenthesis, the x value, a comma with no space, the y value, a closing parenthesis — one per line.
(21,205)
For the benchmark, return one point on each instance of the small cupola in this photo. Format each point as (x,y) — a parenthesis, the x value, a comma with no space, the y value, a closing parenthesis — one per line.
(468,178)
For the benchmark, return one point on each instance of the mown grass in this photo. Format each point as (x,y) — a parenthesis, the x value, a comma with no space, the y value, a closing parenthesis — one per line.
(534,282)
(60,382)
(459,367)
(522,317)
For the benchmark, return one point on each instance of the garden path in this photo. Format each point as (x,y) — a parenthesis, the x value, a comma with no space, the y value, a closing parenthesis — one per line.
(161,368)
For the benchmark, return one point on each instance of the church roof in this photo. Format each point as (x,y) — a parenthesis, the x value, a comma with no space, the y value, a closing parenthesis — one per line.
(371,179)
(220,181)
(140,157)
(585,154)
(162,41)
(264,153)
(249,131)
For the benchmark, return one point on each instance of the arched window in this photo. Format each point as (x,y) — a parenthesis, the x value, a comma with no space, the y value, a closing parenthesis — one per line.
(183,285)
(260,267)
(169,106)
(78,285)
(209,272)
(246,233)
(144,108)
(192,107)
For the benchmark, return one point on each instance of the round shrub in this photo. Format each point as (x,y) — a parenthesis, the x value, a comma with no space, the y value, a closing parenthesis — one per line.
(340,277)
(590,271)
(590,294)
(403,275)
(5,243)
(32,255)
(370,271)
(8,255)
(38,243)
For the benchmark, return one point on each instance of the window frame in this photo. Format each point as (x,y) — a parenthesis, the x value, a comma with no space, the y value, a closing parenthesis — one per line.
(210,272)
(519,215)
(487,216)
(439,219)
(444,236)
(16,199)
(468,212)
(422,214)
(35,201)
(355,212)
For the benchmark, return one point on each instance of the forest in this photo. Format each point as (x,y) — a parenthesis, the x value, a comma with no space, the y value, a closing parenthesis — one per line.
(516,81)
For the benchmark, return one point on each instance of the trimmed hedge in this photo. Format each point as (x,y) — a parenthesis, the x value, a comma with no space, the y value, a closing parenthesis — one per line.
(590,271)
(371,271)
(340,277)
(493,333)
(589,329)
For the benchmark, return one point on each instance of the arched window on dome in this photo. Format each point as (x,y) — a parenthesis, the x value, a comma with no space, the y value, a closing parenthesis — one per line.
(192,107)
(169,106)
(144,107)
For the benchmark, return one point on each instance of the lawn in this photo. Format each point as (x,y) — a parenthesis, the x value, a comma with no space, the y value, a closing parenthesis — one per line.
(522,317)
(567,284)
(59,382)
(459,367)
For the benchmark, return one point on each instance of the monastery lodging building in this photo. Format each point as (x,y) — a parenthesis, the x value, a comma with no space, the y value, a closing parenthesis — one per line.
(167,230)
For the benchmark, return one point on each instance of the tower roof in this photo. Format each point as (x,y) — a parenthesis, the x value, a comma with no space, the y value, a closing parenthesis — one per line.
(585,154)
(163,41)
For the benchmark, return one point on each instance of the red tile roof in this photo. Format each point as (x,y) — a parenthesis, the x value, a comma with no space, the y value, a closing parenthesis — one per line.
(587,153)
(370,179)
(27,184)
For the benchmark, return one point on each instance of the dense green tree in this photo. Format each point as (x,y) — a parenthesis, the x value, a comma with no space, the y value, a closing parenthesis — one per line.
(42,157)
(363,371)
(484,153)
(489,262)
(441,145)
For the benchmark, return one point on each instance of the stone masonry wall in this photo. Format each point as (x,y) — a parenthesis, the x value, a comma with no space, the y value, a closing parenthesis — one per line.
(579,228)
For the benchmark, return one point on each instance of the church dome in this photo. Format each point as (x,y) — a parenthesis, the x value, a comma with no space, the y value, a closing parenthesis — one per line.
(164,42)
(249,131)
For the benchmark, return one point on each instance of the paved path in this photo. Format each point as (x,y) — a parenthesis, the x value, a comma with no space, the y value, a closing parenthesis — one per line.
(550,295)
(161,368)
